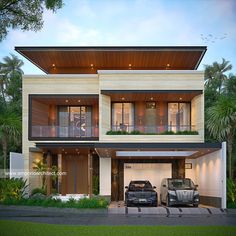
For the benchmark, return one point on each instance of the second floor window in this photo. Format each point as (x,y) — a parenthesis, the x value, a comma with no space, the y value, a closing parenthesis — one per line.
(179,116)
(123,116)
(75,121)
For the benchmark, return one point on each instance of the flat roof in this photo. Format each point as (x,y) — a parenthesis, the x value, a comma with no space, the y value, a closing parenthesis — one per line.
(88,60)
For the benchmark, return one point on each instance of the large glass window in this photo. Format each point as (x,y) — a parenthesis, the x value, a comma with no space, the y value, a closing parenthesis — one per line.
(123,116)
(179,116)
(75,121)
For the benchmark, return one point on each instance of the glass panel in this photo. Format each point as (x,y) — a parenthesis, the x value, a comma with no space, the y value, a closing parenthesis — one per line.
(184,116)
(128,110)
(179,116)
(123,116)
(63,121)
(75,125)
(172,116)
(117,116)
(75,121)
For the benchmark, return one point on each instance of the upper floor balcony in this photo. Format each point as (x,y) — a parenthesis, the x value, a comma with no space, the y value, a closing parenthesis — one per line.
(63,117)
(155,116)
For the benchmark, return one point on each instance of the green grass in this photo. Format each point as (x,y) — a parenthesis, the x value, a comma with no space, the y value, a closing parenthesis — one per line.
(17,228)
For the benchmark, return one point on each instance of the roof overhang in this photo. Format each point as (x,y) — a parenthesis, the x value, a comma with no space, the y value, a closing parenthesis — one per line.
(88,60)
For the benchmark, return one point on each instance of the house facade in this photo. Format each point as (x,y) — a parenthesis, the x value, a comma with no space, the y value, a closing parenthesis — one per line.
(108,115)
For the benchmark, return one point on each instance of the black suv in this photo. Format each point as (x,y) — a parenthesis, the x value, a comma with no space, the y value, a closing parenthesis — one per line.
(140,192)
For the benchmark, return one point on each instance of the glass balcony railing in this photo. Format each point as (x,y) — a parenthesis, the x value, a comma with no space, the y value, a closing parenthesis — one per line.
(44,131)
(162,129)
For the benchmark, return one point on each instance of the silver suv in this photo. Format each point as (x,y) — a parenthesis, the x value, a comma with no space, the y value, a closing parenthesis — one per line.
(179,191)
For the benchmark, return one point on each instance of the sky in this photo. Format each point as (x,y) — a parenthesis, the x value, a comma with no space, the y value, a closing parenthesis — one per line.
(210,23)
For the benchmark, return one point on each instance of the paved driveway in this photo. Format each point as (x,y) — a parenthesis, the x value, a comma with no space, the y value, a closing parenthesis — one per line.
(105,217)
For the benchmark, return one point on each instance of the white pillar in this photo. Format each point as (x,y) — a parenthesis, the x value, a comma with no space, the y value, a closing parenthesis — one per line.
(105,176)
(223,175)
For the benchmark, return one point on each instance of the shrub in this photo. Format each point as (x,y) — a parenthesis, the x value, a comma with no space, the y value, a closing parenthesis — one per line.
(231,193)
(38,190)
(38,196)
(135,132)
(49,202)
(12,188)
(187,132)
(167,132)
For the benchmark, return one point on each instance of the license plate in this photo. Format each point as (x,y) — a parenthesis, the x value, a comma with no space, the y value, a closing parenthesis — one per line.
(142,200)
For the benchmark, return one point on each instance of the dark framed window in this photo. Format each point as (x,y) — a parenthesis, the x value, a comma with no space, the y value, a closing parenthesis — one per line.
(123,116)
(75,121)
(179,116)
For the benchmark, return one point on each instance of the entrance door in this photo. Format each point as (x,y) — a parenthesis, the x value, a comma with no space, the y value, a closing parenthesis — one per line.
(76,179)
(154,172)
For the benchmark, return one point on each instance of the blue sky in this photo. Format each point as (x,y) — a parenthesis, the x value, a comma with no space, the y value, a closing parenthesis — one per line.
(135,22)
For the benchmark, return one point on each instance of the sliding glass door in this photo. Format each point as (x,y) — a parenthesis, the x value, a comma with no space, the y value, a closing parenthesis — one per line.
(179,116)
(123,116)
(75,121)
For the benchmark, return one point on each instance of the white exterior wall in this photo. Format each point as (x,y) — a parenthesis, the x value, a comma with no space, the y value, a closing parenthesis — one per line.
(105,176)
(209,173)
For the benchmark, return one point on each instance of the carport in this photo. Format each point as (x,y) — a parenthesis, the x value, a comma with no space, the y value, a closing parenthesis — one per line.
(204,163)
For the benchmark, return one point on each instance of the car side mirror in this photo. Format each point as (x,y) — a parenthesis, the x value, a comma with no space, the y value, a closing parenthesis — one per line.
(154,187)
(164,185)
(126,187)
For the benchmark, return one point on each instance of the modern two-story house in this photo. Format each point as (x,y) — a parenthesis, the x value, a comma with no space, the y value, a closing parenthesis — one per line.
(119,114)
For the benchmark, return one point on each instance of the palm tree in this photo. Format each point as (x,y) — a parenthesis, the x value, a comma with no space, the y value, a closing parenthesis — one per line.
(215,74)
(10,69)
(10,129)
(230,86)
(221,122)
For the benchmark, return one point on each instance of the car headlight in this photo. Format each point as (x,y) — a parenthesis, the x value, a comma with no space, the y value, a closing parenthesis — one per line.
(172,194)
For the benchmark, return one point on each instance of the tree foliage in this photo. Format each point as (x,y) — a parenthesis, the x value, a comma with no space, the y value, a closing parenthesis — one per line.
(10,106)
(24,14)
(220,107)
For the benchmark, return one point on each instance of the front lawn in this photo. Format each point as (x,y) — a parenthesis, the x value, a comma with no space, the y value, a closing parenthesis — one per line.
(16,228)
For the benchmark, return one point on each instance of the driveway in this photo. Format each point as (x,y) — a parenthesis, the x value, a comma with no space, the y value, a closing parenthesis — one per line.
(68,216)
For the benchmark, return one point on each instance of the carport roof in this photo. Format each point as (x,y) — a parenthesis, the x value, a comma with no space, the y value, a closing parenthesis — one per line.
(110,149)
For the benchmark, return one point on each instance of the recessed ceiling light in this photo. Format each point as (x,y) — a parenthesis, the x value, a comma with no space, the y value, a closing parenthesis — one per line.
(67,100)
(122,98)
(168,65)
(91,65)
(180,98)
(78,100)
(130,65)
(151,98)
(53,65)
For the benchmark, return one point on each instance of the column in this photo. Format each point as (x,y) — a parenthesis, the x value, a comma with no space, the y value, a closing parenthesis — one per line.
(105,176)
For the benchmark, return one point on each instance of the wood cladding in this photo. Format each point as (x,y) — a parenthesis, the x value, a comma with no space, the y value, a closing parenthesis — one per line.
(79,60)
(76,179)
(40,113)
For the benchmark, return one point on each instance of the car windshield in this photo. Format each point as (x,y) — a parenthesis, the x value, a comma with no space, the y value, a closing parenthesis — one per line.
(180,184)
(140,185)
